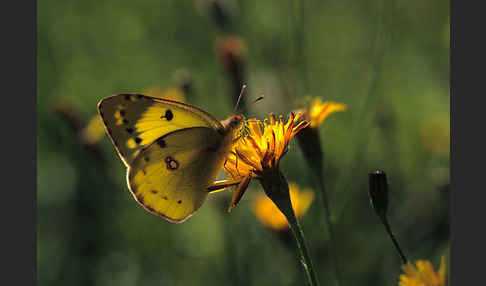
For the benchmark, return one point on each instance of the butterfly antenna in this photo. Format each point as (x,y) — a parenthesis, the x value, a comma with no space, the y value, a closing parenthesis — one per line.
(251,103)
(239,97)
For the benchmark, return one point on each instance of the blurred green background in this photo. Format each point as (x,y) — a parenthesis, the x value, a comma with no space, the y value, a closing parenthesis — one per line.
(388,61)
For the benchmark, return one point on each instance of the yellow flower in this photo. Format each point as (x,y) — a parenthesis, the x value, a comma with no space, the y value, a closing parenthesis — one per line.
(268,213)
(93,131)
(435,134)
(423,274)
(309,139)
(260,146)
(256,153)
(320,110)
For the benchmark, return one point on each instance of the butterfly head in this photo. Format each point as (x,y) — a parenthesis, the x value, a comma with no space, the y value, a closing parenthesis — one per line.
(232,123)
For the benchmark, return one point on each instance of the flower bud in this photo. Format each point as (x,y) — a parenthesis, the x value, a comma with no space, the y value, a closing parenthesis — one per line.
(185,82)
(231,51)
(222,15)
(378,191)
(310,145)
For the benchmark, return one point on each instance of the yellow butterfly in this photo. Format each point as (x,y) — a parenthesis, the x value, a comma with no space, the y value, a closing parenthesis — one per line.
(173,151)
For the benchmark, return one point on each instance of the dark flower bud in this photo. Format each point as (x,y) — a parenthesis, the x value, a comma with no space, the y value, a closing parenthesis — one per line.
(310,145)
(378,192)
(231,50)
(221,14)
(185,82)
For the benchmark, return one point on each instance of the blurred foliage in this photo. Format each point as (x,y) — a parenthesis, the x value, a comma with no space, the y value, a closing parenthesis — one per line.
(388,61)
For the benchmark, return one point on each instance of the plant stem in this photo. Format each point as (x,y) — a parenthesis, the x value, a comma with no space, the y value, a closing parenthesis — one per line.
(310,144)
(330,227)
(277,189)
(393,239)
(301,44)
(304,253)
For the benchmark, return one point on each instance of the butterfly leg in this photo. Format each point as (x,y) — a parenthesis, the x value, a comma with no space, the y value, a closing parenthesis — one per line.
(222,185)
(236,164)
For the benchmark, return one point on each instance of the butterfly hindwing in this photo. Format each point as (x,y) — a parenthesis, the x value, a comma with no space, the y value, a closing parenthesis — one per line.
(169,177)
(135,121)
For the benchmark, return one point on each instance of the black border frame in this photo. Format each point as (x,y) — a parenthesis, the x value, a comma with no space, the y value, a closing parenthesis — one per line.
(19,87)
(467,197)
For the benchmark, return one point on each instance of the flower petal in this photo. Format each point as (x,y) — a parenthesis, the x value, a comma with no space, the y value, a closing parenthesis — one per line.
(239,191)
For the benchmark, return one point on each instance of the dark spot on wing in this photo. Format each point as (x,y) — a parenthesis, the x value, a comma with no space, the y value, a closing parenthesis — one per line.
(122,112)
(171,163)
(168,115)
(165,197)
(138,140)
(153,191)
(125,121)
(161,143)
(130,130)
(146,159)
(179,201)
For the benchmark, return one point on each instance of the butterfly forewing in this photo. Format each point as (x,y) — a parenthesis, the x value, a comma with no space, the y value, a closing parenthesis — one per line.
(135,121)
(169,177)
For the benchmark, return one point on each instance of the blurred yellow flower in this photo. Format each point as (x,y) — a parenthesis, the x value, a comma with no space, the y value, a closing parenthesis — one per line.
(94,130)
(309,139)
(268,213)
(423,274)
(259,146)
(320,110)
(435,134)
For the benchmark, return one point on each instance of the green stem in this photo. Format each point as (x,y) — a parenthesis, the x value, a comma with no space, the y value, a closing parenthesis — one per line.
(330,227)
(393,239)
(310,144)
(304,253)
(277,189)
